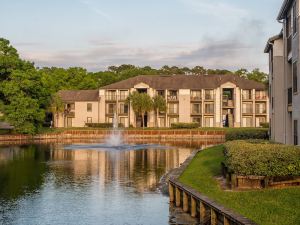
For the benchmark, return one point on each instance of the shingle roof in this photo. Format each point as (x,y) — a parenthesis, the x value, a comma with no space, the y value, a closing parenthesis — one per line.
(284,8)
(79,96)
(186,82)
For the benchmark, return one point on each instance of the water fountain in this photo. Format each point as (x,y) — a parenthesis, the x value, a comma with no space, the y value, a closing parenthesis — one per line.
(114,142)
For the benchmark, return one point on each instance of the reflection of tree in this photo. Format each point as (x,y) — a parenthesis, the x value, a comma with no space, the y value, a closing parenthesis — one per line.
(22,172)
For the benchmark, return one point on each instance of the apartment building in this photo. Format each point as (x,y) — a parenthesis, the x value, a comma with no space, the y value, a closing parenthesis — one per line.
(211,101)
(283,50)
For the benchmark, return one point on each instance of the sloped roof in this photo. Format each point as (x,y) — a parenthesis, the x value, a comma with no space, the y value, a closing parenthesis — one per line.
(79,96)
(186,82)
(284,8)
(271,41)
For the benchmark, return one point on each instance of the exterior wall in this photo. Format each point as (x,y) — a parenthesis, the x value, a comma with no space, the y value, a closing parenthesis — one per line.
(184,106)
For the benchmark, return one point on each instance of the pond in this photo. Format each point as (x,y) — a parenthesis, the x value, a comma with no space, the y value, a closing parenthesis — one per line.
(49,184)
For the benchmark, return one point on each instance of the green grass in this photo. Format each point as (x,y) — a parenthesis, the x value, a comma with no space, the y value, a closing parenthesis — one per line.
(267,207)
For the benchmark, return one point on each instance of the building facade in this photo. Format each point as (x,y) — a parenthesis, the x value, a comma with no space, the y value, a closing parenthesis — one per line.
(211,101)
(283,50)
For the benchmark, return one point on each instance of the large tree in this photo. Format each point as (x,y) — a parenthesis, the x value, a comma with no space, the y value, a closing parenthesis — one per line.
(57,106)
(141,103)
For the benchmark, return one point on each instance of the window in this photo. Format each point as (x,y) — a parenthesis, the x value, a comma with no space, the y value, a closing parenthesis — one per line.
(209,94)
(294,19)
(123,95)
(71,106)
(259,121)
(260,108)
(89,107)
(173,108)
(89,120)
(123,109)
(172,95)
(208,122)
(247,108)
(196,95)
(196,108)
(173,120)
(110,108)
(161,93)
(197,120)
(296,132)
(295,77)
(209,108)
(162,122)
(123,121)
(247,122)
(111,95)
(247,94)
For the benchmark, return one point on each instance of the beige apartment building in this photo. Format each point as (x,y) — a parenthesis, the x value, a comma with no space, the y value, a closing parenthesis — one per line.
(211,101)
(284,87)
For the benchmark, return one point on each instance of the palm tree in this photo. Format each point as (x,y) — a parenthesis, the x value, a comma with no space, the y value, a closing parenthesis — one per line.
(57,106)
(141,103)
(159,105)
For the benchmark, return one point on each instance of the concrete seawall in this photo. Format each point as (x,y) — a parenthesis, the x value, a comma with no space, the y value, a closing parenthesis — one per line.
(127,135)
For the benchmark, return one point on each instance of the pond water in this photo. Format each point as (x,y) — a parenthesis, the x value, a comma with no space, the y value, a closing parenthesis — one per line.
(48,184)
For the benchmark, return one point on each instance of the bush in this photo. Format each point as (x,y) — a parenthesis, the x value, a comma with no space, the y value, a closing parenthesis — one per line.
(246,133)
(102,125)
(262,158)
(265,125)
(185,125)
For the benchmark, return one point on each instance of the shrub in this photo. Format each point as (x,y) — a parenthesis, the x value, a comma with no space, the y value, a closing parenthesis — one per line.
(102,125)
(265,125)
(185,125)
(246,133)
(262,158)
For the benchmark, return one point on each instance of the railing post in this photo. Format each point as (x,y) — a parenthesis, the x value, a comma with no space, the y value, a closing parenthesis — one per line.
(185,202)
(171,192)
(177,197)
(193,207)
(213,217)
(226,221)
(202,212)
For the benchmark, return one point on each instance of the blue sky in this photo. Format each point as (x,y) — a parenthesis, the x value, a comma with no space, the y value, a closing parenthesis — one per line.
(97,33)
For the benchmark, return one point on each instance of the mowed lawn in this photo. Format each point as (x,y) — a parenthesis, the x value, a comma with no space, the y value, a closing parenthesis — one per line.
(267,207)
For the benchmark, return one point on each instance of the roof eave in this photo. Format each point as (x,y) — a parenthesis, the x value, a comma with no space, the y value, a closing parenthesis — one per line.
(285,6)
(271,40)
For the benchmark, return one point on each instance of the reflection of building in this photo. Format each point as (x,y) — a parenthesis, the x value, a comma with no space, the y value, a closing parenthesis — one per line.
(140,169)
(284,79)
(211,101)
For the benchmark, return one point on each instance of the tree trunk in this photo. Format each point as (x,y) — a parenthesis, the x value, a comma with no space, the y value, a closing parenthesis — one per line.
(156,118)
(143,124)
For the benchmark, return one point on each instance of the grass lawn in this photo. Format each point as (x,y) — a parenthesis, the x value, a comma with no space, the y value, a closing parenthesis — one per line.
(281,206)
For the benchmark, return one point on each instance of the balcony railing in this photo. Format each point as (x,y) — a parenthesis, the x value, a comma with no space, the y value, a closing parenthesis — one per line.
(248,111)
(289,44)
(290,96)
(261,97)
(173,111)
(123,97)
(172,98)
(228,103)
(209,97)
(260,111)
(111,97)
(196,98)
(247,97)
(70,113)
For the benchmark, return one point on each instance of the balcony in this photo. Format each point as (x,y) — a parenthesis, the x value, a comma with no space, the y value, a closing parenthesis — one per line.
(209,97)
(123,97)
(260,111)
(196,99)
(69,113)
(289,46)
(228,103)
(172,98)
(261,97)
(247,111)
(111,97)
(247,97)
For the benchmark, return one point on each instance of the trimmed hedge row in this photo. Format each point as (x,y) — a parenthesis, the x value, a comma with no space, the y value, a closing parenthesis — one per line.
(246,133)
(185,125)
(262,158)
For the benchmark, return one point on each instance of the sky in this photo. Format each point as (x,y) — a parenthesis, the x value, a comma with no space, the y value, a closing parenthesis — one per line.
(224,34)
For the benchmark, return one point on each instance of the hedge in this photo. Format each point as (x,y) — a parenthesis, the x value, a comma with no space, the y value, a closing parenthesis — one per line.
(185,125)
(102,125)
(262,158)
(246,133)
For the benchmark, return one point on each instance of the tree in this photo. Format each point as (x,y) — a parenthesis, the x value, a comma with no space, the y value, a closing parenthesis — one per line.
(199,70)
(159,105)
(242,73)
(57,106)
(141,103)
(258,76)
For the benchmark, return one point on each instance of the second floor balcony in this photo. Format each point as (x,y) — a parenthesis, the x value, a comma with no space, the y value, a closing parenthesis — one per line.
(172,98)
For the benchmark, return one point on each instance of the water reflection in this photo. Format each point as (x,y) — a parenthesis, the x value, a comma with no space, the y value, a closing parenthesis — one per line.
(45,184)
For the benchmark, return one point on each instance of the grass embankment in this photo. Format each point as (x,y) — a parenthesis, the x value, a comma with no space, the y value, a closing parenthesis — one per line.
(267,207)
